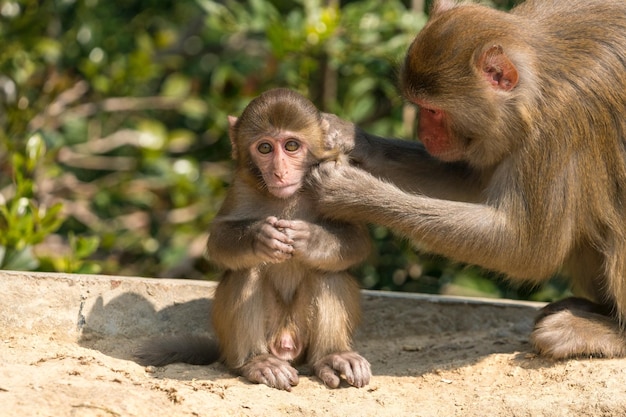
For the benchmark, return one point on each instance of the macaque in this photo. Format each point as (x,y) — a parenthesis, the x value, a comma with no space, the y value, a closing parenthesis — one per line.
(522,163)
(285,297)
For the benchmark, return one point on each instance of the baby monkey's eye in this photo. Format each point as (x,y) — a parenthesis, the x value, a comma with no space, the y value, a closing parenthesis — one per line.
(264,148)
(292,145)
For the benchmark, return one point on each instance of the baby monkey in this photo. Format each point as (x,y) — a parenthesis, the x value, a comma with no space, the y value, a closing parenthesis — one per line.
(285,297)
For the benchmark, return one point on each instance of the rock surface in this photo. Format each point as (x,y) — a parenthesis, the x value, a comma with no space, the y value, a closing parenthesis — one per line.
(67,342)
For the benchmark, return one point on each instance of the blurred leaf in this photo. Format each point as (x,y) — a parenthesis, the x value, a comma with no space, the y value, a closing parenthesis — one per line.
(84,246)
(470,282)
(153,134)
(195,108)
(18,260)
(176,85)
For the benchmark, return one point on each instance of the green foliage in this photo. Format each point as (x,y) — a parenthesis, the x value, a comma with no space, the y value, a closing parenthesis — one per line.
(75,259)
(113,123)
(24,223)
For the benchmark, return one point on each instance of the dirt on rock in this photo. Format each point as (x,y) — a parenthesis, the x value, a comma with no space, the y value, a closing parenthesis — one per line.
(68,340)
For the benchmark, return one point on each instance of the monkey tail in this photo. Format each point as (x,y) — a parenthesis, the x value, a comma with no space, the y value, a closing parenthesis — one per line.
(194,350)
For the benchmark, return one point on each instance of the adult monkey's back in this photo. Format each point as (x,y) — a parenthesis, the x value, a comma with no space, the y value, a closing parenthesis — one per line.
(523,120)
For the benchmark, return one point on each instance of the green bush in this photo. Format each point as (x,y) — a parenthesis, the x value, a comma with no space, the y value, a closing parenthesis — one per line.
(113,130)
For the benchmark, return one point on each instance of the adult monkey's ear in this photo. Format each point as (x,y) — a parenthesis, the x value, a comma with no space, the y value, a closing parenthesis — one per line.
(497,68)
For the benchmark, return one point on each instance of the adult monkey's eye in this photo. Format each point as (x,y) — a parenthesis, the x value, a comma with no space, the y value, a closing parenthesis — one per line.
(264,148)
(292,145)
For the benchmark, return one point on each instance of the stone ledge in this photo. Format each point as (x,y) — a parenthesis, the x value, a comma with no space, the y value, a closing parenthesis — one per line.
(72,304)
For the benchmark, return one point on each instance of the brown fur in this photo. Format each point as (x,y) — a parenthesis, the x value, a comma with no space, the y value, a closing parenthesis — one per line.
(285,297)
(533,103)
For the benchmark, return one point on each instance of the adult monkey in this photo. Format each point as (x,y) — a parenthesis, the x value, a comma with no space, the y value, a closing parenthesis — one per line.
(523,120)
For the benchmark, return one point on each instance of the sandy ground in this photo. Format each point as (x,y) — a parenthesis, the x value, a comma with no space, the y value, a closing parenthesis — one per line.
(67,341)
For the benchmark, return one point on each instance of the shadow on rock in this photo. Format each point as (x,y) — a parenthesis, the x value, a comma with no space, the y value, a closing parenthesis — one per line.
(118,327)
